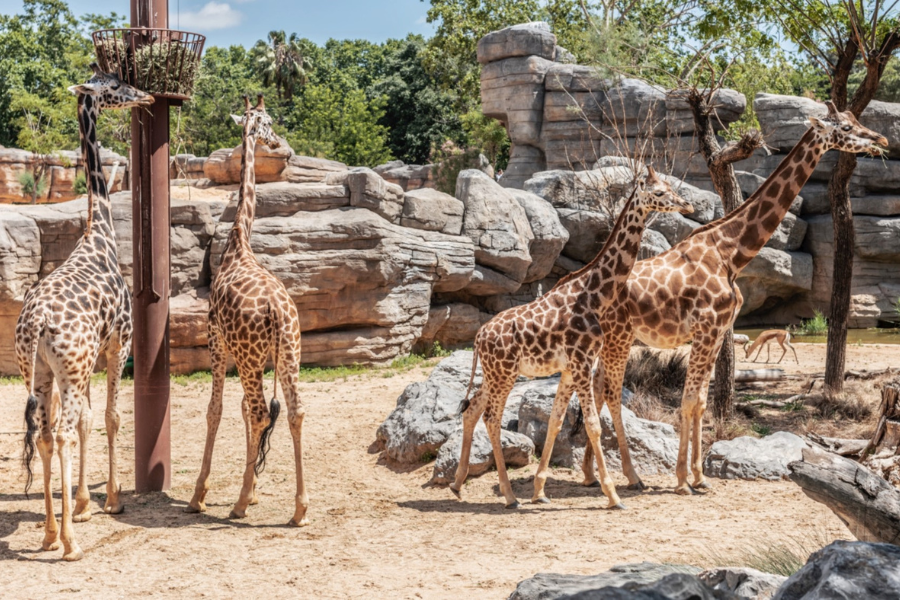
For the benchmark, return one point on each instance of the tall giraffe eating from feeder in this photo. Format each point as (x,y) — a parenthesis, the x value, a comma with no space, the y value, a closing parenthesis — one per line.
(688,293)
(251,316)
(560,332)
(78,312)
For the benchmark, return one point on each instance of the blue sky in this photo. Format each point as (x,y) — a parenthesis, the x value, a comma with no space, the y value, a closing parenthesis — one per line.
(226,22)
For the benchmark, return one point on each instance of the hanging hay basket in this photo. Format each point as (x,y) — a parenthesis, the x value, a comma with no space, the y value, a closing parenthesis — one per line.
(162,62)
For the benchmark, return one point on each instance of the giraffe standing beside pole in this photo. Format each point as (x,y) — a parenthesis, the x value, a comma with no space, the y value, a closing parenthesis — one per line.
(560,332)
(251,316)
(688,293)
(79,311)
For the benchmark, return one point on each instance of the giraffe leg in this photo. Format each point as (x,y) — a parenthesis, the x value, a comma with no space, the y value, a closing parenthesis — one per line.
(218,358)
(43,391)
(693,404)
(581,377)
(289,366)
(70,414)
(115,362)
(256,418)
(492,422)
(82,511)
(557,414)
(470,418)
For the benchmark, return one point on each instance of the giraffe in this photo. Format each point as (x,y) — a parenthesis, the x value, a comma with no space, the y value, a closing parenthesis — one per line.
(560,332)
(688,293)
(252,316)
(78,312)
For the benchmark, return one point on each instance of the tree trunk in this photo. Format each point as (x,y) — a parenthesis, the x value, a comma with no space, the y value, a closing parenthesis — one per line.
(719,162)
(867,504)
(844,241)
(882,453)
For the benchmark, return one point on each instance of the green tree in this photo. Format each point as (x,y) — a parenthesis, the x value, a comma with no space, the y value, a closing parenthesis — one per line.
(281,62)
(342,127)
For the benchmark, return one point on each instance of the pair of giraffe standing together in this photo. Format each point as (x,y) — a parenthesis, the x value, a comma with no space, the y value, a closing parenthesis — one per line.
(83,310)
(685,294)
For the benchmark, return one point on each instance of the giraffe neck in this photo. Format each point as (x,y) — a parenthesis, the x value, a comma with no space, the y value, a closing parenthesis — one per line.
(746,230)
(612,265)
(99,206)
(246,207)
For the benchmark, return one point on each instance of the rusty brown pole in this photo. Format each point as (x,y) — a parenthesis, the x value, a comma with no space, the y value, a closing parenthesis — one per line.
(150,198)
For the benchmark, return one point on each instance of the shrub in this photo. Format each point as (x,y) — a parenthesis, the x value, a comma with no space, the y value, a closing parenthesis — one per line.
(80,185)
(818,325)
(26,180)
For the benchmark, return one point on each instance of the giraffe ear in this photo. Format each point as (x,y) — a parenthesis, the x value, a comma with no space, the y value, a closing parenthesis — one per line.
(237,119)
(816,123)
(81,88)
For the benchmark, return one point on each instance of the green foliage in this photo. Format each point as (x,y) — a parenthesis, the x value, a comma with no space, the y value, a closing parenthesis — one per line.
(80,184)
(897,306)
(818,325)
(280,62)
(343,127)
(450,160)
(487,136)
(29,189)
(760,429)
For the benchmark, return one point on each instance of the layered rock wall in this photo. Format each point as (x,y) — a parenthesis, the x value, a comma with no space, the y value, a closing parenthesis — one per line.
(64,168)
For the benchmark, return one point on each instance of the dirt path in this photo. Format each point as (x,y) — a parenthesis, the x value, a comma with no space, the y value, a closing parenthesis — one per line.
(375,532)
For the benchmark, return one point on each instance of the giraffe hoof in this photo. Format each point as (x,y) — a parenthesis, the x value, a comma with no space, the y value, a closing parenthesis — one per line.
(114,509)
(591,484)
(637,486)
(703,485)
(75,554)
(49,546)
(684,490)
(234,514)
(541,500)
(193,510)
(82,517)
(301,523)
(618,506)
(514,505)
(456,492)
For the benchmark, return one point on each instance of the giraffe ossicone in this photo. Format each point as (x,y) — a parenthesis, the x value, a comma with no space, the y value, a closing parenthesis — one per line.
(688,293)
(252,317)
(78,312)
(560,332)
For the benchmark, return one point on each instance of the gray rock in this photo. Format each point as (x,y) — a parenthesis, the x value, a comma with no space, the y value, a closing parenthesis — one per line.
(512,91)
(884,117)
(369,190)
(432,210)
(496,223)
(527,39)
(587,231)
(673,226)
(704,202)
(451,325)
(754,458)
(789,235)
(550,586)
(427,412)
(846,570)
(784,119)
(743,581)
(517,452)
(653,445)
(729,106)
(774,275)
(285,199)
(652,244)
(636,107)
(306,169)
(524,162)
(882,206)
(549,234)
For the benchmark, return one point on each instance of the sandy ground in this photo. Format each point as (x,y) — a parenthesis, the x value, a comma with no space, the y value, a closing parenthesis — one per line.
(376,531)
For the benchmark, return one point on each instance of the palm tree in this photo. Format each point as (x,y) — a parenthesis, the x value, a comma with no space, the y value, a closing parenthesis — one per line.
(281,61)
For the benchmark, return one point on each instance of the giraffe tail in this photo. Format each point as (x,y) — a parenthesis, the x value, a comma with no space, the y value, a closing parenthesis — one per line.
(31,426)
(274,409)
(465,403)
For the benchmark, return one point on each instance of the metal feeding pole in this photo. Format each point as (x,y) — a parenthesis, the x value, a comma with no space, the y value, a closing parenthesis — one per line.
(150,198)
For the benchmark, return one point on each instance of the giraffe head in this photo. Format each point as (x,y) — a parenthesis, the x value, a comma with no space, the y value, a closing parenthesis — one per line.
(654,194)
(259,121)
(841,131)
(108,91)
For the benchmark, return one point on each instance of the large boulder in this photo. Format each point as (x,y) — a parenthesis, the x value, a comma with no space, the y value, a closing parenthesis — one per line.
(789,235)
(747,457)
(283,199)
(193,227)
(362,285)
(550,586)
(884,117)
(743,581)
(408,177)
(527,39)
(653,445)
(653,243)
(451,325)
(517,452)
(750,182)
(773,276)
(306,169)
(427,412)
(369,190)
(223,166)
(844,570)
(673,226)
(497,225)
(549,235)
(729,106)
(784,119)
(432,210)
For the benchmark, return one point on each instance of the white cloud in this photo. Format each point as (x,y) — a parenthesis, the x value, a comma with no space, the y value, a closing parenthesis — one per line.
(213,15)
